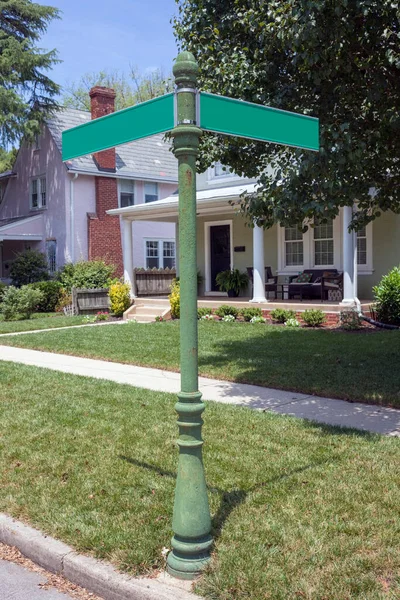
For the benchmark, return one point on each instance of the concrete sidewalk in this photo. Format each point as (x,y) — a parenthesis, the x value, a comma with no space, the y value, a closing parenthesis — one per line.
(323,410)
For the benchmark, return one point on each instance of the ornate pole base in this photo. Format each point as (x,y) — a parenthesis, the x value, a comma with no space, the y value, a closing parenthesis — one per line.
(192,541)
(188,558)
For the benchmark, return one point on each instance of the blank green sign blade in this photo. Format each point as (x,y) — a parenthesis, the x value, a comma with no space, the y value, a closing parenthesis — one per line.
(134,123)
(245,119)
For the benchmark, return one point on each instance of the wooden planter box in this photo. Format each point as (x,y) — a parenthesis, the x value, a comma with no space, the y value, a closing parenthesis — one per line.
(90,302)
(154,282)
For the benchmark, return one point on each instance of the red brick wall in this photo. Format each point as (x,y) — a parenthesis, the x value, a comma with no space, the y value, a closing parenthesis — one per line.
(103,230)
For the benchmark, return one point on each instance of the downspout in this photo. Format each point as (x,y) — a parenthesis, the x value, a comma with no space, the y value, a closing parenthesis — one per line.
(72,216)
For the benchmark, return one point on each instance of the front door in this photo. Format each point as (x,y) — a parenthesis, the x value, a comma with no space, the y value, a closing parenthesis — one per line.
(220,252)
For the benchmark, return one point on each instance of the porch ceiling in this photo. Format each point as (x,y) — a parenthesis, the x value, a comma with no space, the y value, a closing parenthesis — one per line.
(215,201)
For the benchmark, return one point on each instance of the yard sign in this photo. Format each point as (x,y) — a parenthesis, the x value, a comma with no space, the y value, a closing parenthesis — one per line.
(186,113)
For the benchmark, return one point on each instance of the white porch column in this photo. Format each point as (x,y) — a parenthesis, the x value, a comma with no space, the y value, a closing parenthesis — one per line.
(258,265)
(128,256)
(348,259)
(177,248)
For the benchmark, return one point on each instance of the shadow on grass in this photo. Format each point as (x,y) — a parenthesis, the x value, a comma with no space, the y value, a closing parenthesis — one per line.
(312,362)
(229,499)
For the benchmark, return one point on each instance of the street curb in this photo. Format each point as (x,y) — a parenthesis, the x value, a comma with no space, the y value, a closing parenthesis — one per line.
(98,577)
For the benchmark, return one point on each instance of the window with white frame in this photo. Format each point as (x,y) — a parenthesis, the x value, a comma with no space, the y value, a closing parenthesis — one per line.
(219,170)
(294,247)
(150,192)
(324,244)
(126,192)
(38,192)
(362,255)
(51,253)
(160,254)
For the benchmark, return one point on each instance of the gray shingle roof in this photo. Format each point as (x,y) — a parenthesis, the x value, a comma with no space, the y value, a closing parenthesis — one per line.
(4,222)
(149,158)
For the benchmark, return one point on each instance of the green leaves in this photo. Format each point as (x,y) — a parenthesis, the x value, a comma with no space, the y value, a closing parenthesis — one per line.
(27,95)
(337,61)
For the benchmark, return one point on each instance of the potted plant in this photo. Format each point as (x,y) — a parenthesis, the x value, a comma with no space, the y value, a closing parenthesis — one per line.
(232,282)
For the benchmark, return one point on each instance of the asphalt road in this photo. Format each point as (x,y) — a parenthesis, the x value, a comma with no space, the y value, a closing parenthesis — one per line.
(17,583)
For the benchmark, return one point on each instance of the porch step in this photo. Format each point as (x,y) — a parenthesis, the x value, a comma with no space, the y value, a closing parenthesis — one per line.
(146,310)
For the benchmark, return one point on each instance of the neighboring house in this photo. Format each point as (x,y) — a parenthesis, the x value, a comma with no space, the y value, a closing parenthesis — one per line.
(61,208)
(225,241)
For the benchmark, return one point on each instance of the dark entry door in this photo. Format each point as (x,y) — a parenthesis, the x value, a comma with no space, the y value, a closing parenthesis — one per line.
(220,252)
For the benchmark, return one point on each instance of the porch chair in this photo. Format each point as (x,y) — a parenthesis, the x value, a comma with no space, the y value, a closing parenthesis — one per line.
(271,281)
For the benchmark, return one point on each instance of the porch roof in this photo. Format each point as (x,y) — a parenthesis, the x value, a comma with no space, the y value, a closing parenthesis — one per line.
(21,228)
(215,201)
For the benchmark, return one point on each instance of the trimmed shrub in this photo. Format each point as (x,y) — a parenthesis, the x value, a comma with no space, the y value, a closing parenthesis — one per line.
(350,319)
(3,288)
(175,299)
(20,302)
(313,317)
(281,315)
(51,291)
(203,311)
(119,298)
(387,298)
(249,313)
(28,267)
(292,322)
(89,274)
(225,310)
(257,320)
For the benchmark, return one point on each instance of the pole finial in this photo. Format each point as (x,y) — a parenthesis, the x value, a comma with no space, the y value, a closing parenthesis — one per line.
(185,69)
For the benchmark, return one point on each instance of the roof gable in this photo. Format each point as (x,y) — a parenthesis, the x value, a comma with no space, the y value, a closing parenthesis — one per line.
(148,158)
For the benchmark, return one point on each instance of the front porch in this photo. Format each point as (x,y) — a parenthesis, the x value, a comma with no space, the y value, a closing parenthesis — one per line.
(273,256)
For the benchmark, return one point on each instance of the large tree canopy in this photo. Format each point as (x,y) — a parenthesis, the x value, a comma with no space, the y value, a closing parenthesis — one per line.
(26,93)
(129,90)
(339,61)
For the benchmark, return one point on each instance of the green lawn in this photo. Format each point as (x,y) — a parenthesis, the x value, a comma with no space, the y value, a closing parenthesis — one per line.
(350,365)
(299,510)
(39,321)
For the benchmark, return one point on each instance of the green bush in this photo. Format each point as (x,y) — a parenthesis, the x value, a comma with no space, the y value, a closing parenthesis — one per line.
(28,267)
(281,315)
(313,317)
(249,313)
(350,319)
(224,310)
(387,298)
(202,312)
(88,274)
(120,299)
(20,302)
(175,299)
(3,288)
(51,291)
(232,281)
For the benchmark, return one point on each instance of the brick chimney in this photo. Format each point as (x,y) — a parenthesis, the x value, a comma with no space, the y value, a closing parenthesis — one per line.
(104,230)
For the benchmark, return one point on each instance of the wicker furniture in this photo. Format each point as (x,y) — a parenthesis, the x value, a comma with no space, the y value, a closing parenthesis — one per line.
(321,281)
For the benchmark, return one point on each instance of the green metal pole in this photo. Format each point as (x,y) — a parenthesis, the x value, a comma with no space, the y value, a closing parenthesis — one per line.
(192,541)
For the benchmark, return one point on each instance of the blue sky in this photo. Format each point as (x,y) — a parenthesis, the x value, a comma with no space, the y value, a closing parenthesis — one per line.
(93,35)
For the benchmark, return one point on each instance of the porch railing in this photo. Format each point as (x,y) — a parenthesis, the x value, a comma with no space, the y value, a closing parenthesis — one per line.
(154,282)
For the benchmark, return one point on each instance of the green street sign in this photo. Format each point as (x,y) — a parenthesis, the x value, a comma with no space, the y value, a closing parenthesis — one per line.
(246,119)
(134,123)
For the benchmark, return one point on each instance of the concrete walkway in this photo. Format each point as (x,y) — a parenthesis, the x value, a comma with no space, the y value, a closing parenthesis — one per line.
(323,410)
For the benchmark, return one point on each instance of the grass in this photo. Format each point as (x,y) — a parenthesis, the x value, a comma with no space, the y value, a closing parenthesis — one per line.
(299,510)
(353,366)
(38,321)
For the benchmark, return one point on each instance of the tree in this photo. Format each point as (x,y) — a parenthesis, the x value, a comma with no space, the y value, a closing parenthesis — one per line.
(338,61)
(137,88)
(27,95)
(7,159)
